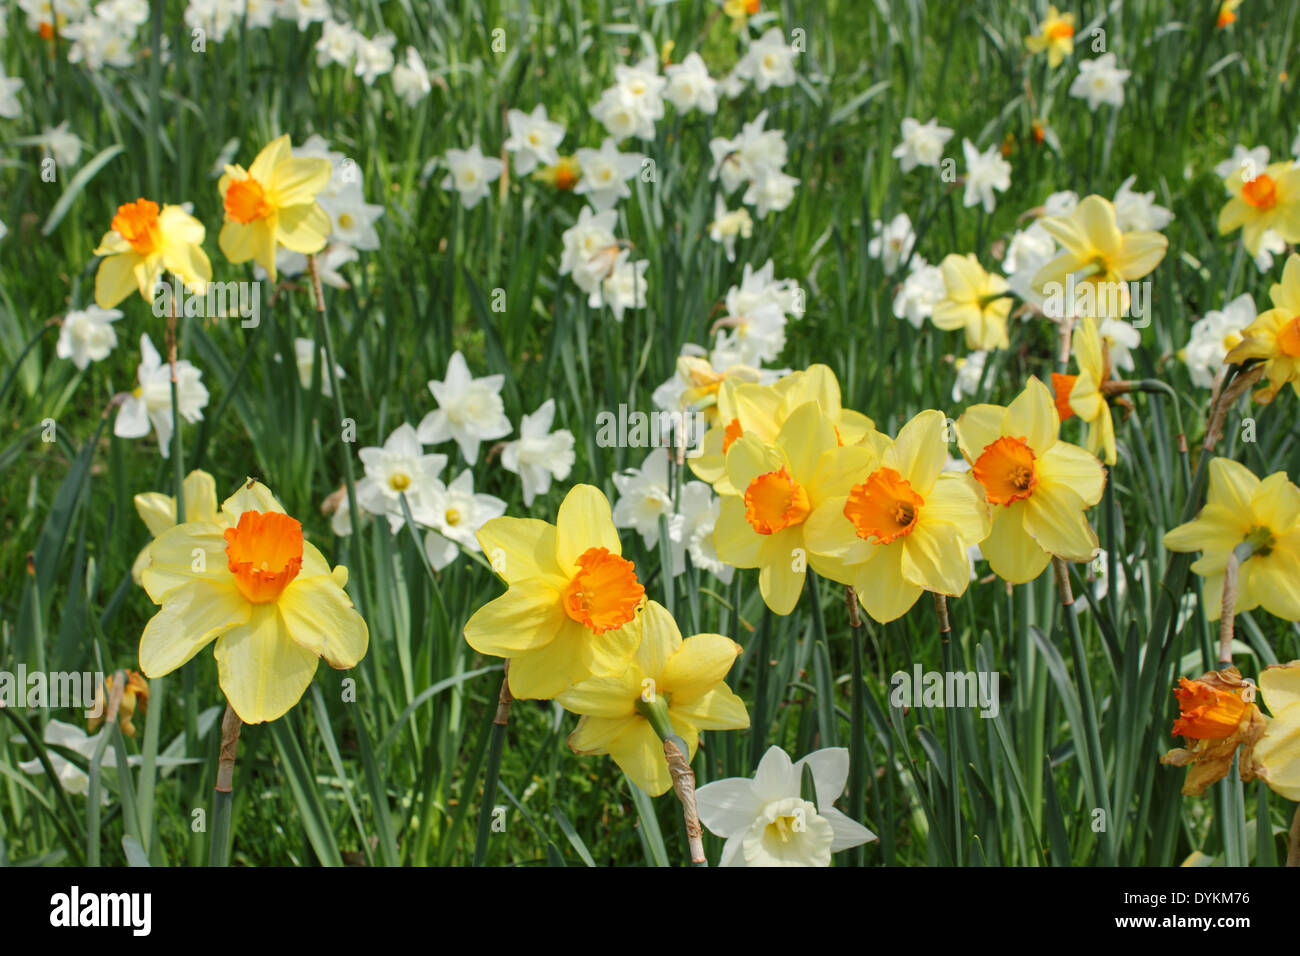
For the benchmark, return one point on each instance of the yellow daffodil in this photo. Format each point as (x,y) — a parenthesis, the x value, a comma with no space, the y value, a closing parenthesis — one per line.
(570,608)
(143,243)
(1055,35)
(1039,487)
(688,675)
(973,300)
(135,700)
(760,410)
(1087,396)
(1216,716)
(273,203)
(1271,200)
(1277,755)
(1090,278)
(1227,13)
(263,593)
(563,176)
(1239,508)
(1274,336)
(778,485)
(158,511)
(739,12)
(703,383)
(903,527)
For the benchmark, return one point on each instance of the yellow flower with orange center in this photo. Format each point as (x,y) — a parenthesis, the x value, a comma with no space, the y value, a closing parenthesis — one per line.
(273,203)
(142,244)
(1274,336)
(253,584)
(1055,35)
(901,525)
(571,605)
(746,408)
(779,485)
(1086,396)
(1217,714)
(1227,13)
(1039,487)
(563,176)
(1262,200)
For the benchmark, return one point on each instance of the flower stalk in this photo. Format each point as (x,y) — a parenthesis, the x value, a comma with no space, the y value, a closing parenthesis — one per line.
(219,854)
(495,749)
(654,708)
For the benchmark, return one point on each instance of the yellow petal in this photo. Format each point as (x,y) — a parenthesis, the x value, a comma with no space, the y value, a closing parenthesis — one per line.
(251,496)
(1279,753)
(1280,686)
(297,180)
(700,664)
(1072,467)
(719,709)
(1032,416)
(977,428)
(639,753)
(157,511)
(196,549)
(262,670)
(319,615)
(584,521)
(1012,554)
(519,548)
(736,542)
(115,279)
(884,592)
(804,436)
(527,617)
(542,673)
(1054,515)
(192,616)
(934,558)
(610,698)
(303,228)
(959,501)
(594,734)
(920,450)
(660,640)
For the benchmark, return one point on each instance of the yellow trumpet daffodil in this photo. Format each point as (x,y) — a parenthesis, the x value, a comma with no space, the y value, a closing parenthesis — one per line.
(903,527)
(143,243)
(1087,399)
(273,203)
(1270,200)
(974,300)
(1274,336)
(266,596)
(1240,508)
(1277,755)
(760,410)
(1055,35)
(778,485)
(687,675)
(571,602)
(1090,278)
(158,511)
(1039,487)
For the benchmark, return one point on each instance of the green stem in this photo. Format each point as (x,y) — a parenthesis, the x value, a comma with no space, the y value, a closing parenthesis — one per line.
(495,749)
(31,344)
(857,716)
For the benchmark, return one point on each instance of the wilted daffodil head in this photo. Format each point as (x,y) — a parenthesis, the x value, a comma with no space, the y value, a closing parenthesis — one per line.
(135,700)
(571,603)
(273,203)
(142,244)
(1240,508)
(252,583)
(902,526)
(1274,337)
(1277,755)
(684,677)
(1217,714)
(768,822)
(1038,487)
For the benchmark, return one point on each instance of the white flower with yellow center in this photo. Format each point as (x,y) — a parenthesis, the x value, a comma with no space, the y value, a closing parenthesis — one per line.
(151,402)
(768,62)
(399,468)
(539,454)
(534,139)
(605,172)
(469,174)
(455,513)
(469,410)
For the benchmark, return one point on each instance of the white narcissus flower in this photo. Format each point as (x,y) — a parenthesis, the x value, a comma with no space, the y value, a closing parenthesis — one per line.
(590,248)
(4,230)
(470,173)
(750,338)
(97,41)
(534,139)
(469,409)
(892,243)
(767,822)
(1270,244)
(634,103)
(87,335)
(624,288)
(770,191)
(1100,81)
(353,218)
(1138,211)
(758,286)
(744,157)
(1295,144)
(970,370)
(64,145)
(1249,162)
(151,403)
(727,225)
(1120,338)
(304,355)
(690,86)
(375,57)
(539,454)
(259,13)
(10,108)
(605,172)
(922,145)
(337,44)
(399,468)
(304,12)
(1061,204)
(72,777)
(692,529)
(985,172)
(1028,251)
(768,62)
(1214,335)
(411,79)
(921,291)
(644,496)
(455,513)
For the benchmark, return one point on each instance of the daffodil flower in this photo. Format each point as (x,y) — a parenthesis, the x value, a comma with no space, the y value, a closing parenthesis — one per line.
(974,300)
(1101,258)
(273,203)
(142,244)
(158,511)
(1039,487)
(767,822)
(263,593)
(1086,395)
(903,527)
(777,486)
(570,608)
(1274,336)
(1262,200)
(1240,508)
(686,675)
(1277,755)
(1055,35)
(1216,716)
(135,700)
